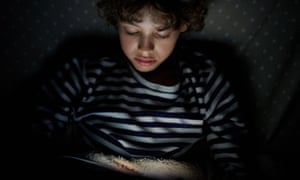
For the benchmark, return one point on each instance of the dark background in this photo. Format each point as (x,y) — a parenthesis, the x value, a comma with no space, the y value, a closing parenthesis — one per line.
(255,41)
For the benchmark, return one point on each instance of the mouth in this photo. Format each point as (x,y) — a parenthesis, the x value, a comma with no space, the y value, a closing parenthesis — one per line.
(145,61)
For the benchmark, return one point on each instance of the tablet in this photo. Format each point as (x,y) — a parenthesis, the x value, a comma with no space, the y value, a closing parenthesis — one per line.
(148,168)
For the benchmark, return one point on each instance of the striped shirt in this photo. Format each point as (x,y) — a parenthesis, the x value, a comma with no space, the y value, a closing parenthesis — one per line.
(114,106)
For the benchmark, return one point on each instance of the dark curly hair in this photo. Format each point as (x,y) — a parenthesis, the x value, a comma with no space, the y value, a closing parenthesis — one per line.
(175,12)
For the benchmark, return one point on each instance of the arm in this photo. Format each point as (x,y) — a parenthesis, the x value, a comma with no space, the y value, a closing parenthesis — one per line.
(225,130)
(55,109)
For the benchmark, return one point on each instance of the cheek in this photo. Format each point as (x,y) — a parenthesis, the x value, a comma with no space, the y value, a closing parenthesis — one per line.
(166,48)
(127,44)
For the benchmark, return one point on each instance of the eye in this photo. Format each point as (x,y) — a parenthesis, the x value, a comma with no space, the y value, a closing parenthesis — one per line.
(131,33)
(163,35)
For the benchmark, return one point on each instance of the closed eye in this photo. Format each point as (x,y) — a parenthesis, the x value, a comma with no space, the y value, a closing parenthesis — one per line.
(163,36)
(132,32)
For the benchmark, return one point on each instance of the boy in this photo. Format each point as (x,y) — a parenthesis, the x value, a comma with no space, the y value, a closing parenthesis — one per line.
(155,102)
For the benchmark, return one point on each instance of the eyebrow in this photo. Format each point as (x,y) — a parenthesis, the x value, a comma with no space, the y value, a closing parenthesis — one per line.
(163,28)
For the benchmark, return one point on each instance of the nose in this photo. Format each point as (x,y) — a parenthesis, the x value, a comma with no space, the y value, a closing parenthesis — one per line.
(146,43)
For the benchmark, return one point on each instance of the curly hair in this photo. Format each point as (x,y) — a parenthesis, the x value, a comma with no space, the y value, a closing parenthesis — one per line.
(175,12)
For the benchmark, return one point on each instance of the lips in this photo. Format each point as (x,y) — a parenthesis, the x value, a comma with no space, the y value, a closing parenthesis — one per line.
(145,61)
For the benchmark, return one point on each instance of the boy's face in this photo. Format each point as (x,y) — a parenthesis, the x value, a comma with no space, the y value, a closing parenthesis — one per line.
(148,43)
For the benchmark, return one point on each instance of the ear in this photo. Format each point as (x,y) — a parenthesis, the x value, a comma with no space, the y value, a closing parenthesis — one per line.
(184,26)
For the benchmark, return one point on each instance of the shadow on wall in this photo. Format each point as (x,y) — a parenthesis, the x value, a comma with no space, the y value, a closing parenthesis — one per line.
(83,46)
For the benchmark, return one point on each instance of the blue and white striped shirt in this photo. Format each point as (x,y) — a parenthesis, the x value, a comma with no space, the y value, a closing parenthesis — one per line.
(115,107)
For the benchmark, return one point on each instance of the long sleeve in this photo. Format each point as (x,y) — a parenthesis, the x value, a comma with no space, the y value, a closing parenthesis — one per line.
(224,127)
(57,99)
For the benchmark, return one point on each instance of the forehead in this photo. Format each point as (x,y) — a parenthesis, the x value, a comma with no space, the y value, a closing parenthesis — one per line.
(151,14)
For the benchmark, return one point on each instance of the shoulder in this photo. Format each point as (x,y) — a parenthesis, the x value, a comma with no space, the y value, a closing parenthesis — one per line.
(105,63)
(197,61)
(201,53)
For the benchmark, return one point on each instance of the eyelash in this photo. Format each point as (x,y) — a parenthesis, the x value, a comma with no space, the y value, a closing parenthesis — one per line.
(163,36)
(157,35)
(131,33)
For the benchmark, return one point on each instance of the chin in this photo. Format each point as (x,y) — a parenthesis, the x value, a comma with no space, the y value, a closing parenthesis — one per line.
(144,69)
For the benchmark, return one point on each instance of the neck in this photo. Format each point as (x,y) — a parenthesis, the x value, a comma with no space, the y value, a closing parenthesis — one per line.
(166,74)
